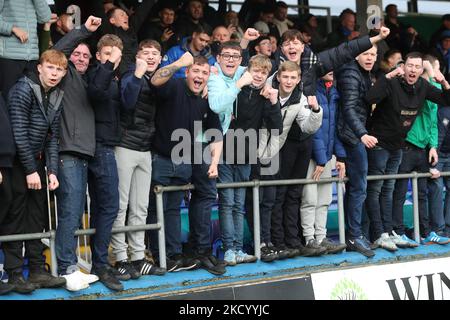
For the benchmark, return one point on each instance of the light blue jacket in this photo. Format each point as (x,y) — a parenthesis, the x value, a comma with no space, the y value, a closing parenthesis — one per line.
(24,14)
(222,92)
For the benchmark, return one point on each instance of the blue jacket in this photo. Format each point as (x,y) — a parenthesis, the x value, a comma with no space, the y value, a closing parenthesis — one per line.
(325,141)
(222,93)
(176,52)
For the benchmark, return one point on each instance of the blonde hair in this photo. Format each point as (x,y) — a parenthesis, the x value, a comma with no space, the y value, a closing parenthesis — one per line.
(289,66)
(260,61)
(54,57)
(109,40)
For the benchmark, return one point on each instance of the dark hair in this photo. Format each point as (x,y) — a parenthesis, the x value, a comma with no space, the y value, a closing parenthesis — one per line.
(281,4)
(291,34)
(346,12)
(268,8)
(149,43)
(199,60)
(230,45)
(389,6)
(202,28)
(431,58)
(414,55)
(390,53)
(111,12)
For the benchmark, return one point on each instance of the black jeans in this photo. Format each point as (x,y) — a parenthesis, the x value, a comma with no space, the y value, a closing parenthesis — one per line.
(6,192)
(414,159)
(266,202)
(294,161)
(27,214)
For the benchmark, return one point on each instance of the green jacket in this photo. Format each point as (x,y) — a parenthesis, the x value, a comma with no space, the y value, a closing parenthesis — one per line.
(25,14)
(424,131)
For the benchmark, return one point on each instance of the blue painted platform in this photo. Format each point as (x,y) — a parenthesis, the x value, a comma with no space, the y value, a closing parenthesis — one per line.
(148,287)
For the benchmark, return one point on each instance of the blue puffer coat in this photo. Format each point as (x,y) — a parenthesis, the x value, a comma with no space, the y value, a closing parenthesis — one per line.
(325,141)
(24,14)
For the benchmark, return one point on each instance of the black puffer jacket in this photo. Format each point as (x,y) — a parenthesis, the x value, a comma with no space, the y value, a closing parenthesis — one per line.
(137,121)
(35,130)
(353,82)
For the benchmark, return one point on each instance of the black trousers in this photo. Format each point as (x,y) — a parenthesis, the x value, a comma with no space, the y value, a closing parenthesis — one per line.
(294,161)
(27,214)
(6,192)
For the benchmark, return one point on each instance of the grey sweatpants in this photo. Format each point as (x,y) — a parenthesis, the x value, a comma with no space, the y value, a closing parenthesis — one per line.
(135,175)
(315,202)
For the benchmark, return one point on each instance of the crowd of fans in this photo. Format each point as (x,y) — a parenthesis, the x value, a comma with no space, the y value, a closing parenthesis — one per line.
(107,104)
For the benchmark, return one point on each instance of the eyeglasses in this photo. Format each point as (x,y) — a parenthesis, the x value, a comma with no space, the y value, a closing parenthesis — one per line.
(227,56)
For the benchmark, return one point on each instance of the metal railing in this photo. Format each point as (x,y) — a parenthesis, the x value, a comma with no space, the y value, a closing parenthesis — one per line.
(255,185)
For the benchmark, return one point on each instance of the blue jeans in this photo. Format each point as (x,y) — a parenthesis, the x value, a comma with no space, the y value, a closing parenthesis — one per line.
(414,159)
(165,173)
(231,205)
(71,195)
(438,207)
(104,193)
(355,195)
(200,206)
(379,192)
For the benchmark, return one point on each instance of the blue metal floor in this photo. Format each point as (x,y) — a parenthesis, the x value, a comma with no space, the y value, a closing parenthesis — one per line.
(173,283)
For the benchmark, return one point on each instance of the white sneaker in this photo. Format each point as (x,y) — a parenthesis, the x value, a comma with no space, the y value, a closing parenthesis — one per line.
(385,242)
(242,257)
(399,241)
(78,280)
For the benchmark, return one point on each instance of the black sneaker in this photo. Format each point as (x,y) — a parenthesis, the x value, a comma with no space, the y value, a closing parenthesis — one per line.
(146,268)
(106,275)
(126,270)
(282,252)
(178,262)
(19,284)
(360,245)
(211,264)
(40,277)
(332,247)
(312,249)
(5,288)
(268,254)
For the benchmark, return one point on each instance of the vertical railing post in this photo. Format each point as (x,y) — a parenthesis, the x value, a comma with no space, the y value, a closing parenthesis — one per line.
(256,219)
(53,260)
(341,216)
(415,191)
(161,232)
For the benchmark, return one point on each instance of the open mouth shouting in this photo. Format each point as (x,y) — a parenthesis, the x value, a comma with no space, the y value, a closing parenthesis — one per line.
(198,85)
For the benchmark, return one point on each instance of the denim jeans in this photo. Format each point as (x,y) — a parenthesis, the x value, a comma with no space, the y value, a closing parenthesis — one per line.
(379,192)
(71,195)
(231,205)
(355,195)
(166,173)
(200,206)
(104,193)
(439,208)
(414,159)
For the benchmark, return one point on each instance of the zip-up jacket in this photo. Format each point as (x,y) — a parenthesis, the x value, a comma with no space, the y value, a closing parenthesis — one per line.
(137,119)
(353,82)
(104,92)
(295,110)
(424,131)
(176,52)
(77,119)
(250,111)
(35,117)
(325,141)
(398,105)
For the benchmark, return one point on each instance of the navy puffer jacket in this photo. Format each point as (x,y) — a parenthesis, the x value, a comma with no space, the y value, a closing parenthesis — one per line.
(352,83)
(35,131)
